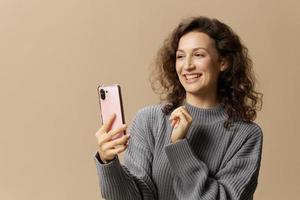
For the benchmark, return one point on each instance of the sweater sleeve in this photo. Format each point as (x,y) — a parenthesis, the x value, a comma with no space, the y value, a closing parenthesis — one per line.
(132,180)
(236,180)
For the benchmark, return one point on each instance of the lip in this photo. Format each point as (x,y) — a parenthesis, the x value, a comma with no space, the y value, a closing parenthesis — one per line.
(191,74)
(192,80)
(198,74)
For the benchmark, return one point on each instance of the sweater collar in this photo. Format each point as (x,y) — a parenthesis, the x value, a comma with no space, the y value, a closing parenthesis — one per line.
(207,115)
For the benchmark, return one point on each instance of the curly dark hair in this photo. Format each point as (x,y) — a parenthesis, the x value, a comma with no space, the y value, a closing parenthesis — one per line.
(236,84)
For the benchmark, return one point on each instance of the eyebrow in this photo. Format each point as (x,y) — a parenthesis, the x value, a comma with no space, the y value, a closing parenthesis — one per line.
(195,49)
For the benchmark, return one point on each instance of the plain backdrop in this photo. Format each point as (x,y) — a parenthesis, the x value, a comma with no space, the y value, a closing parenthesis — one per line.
(53,54)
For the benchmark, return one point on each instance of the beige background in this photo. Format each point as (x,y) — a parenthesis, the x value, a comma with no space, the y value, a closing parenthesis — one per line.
(53,54)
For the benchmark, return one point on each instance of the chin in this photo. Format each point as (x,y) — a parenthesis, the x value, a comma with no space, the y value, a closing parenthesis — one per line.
(194,87)
(194,91)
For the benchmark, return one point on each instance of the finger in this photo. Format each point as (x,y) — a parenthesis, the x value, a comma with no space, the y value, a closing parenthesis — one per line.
(103,138)
(173,123)
(183,110)
(174,114)
(182,117)
(114,143)
(187,114)
(175,120)
(182,121)
(123,127)
(117,150)
(108,124)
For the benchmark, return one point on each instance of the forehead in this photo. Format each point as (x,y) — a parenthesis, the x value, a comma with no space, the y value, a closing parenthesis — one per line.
(194,40)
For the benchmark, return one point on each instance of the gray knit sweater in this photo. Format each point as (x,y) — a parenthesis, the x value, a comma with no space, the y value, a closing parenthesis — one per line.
(210,163)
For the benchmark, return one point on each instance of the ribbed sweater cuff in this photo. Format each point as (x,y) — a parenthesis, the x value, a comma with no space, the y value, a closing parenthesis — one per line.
(113,169)
(182,158)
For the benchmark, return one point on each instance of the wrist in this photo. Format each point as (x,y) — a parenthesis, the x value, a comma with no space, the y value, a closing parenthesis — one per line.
(176,140)
(101,160)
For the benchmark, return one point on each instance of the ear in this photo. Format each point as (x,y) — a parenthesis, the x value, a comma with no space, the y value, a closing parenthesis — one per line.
(223,64)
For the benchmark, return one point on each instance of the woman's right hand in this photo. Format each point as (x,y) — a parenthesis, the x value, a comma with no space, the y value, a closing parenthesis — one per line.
(108,148)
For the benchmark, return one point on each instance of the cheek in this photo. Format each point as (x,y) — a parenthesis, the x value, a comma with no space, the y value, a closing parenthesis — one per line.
(208,66)
(204,64)
(209,69)
(177,67)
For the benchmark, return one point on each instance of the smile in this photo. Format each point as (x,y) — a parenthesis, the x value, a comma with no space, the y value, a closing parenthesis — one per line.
(192,77)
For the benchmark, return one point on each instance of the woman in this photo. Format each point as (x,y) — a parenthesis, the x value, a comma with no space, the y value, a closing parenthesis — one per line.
(201,143)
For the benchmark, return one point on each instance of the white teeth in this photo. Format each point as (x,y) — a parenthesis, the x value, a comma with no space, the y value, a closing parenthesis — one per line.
(192,76)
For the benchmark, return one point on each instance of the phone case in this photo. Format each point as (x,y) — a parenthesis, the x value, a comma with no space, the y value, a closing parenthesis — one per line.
(110,99)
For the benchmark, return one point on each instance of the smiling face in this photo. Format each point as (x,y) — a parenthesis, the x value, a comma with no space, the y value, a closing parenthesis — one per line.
(198,64)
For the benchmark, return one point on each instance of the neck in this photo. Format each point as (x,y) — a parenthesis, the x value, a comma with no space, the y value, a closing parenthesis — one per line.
(202,101)
(206,115)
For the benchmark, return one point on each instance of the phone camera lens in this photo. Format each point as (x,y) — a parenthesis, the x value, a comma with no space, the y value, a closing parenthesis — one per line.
(102,94)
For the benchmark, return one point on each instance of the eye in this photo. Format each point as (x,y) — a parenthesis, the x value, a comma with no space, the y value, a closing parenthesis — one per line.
(179,56)
(199,55)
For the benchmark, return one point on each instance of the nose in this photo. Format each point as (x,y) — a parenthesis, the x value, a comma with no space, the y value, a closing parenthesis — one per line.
(189,64)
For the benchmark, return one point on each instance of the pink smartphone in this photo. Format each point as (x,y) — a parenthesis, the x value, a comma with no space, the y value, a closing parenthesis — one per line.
(110,99)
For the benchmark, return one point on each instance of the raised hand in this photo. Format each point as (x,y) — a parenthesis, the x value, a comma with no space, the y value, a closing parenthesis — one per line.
(180,121)
(108,148)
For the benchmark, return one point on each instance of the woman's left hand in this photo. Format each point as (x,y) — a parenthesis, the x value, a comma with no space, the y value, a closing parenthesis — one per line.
(181,121)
